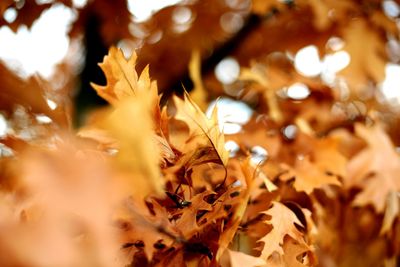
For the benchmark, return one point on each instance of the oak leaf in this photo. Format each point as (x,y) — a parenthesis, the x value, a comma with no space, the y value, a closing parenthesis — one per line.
(123,82)
(122,78)
(308,176)
(283,222)
(295,255)
(187,223)
(131,124)
(147,227)
(375,169)
(205,131)
(237,216)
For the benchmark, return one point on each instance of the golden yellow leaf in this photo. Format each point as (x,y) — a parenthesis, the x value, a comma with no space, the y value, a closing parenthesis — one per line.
(203,130)
(122,79)
(131,125)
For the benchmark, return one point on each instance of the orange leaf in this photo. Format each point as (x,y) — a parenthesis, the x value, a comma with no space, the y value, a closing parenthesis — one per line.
(187,222)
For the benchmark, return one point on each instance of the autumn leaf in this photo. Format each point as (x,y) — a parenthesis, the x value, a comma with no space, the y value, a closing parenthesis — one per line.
(205,131)
(283,222)
(122,79)
(167,154)
(123,82)
(131,124)
(362,66)
(187,222)
(308,176)
(375,169)
(237,216)
(139,225)
(295,255)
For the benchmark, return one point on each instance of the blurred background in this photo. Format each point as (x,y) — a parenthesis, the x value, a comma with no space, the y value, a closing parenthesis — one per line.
(337,56)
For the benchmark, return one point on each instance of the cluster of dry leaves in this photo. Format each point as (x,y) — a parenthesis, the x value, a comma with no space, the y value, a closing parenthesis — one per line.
(145,184)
